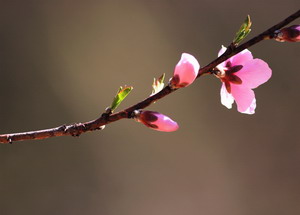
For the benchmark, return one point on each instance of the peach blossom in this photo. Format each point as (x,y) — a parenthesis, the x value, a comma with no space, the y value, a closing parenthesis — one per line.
(239,75)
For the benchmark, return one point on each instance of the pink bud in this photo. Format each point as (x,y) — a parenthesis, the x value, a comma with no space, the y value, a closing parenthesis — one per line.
(291,34)
(185,72)
(156,121)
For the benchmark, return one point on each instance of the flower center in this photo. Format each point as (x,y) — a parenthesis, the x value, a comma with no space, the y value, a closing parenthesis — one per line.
(226,75)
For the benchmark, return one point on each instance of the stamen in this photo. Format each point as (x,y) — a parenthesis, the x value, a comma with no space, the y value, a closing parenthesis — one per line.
(228,64)
(234,79)
(234,69)
(228,86)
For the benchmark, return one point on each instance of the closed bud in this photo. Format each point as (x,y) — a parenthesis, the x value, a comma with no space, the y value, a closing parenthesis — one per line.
(290,34)
(156,121)
(185,72)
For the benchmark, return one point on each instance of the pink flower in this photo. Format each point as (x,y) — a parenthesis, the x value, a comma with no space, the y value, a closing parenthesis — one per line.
(185,71)
(156,121)
(239,75)
(291,34)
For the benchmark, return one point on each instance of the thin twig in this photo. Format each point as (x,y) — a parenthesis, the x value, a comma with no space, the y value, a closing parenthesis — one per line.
(263,36)
(79,128)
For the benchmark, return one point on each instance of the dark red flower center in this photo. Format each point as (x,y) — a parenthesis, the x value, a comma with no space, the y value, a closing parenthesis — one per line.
(229,77)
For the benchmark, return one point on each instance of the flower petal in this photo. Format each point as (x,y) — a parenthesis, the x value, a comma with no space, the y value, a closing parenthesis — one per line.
(251,109)
(244,98)
(222,65)
(222,50)
(157,121)
(226,98)
(165,124)
(238,59)
(254,73)
(186,71)
(241,58)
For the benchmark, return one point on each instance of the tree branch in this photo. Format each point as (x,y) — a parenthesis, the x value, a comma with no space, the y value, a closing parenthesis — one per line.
(79,128)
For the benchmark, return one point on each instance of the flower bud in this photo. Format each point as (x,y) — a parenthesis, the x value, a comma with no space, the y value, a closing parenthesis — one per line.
(291,34)
(156,121)
(185,72)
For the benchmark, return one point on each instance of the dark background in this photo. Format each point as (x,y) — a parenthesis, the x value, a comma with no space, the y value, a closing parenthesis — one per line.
(63,61)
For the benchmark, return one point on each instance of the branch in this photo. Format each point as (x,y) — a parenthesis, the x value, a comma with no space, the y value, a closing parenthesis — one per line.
(231,50)
(106,118)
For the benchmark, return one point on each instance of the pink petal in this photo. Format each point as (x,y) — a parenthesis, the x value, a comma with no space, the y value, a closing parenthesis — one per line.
(238,59)
(254,73)
(186,71)
(222,65)
(241,58)
(244,98)
(157,121)
(222,50)
(165,124)
(226,98)
(251,109)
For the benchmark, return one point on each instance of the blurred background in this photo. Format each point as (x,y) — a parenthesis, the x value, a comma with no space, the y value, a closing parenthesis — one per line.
(63,61)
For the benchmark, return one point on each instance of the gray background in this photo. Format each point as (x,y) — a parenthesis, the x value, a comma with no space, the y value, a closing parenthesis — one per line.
(62,62)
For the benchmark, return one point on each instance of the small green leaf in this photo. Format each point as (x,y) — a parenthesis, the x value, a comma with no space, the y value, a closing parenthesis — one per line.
(243,31)
(158,84)
(121,95)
